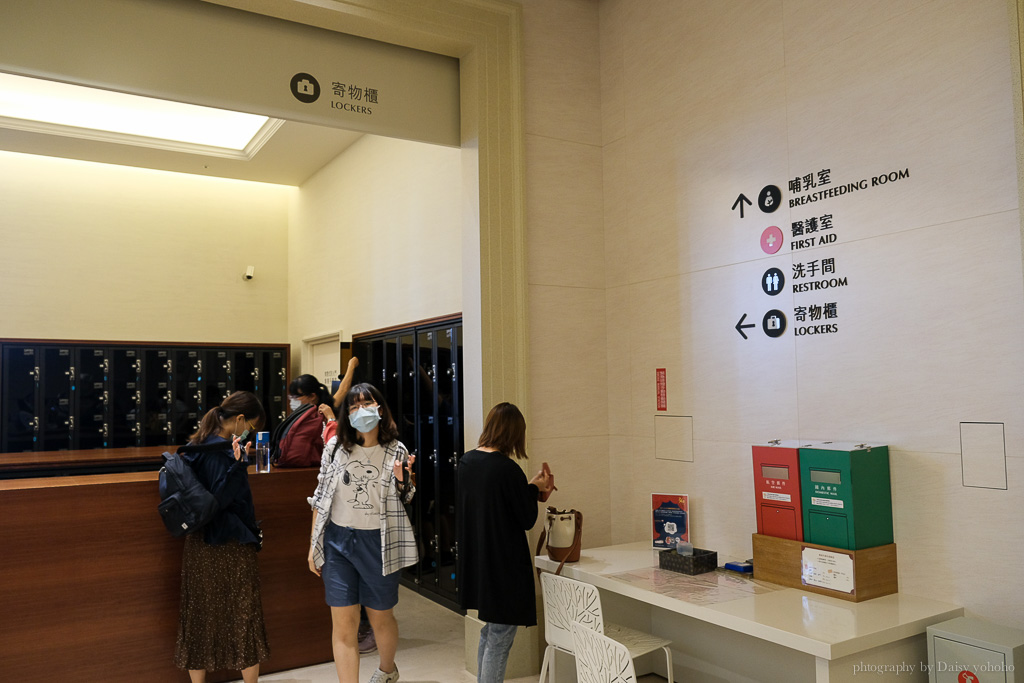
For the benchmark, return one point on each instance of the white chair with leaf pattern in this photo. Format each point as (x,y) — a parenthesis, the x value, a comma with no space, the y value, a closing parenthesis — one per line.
(599,659)
(567,601)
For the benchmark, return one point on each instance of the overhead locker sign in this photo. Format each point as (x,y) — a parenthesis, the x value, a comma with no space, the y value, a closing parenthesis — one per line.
(216,56)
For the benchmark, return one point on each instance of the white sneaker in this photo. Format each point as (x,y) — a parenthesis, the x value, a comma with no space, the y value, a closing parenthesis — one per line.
(381,677)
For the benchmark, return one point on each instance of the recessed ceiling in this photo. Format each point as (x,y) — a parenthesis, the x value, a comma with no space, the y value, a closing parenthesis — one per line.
(290,157)
(37,114)
(46,106)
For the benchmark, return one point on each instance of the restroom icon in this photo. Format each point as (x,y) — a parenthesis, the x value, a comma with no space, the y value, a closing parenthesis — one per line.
(772,281)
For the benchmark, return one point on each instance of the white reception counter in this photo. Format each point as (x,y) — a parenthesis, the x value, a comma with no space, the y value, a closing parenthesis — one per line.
(729,627)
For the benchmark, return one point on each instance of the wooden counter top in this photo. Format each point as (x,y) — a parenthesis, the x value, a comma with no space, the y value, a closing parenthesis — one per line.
(81,462)
(59,459)
(89,578)
(76,480)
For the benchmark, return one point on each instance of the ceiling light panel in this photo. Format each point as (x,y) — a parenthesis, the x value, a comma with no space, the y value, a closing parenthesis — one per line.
(62,104)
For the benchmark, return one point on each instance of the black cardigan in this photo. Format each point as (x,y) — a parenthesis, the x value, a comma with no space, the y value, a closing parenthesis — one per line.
(228,480)
(496,506)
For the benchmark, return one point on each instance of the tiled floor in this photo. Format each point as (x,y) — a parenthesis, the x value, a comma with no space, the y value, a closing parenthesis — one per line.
(430,649)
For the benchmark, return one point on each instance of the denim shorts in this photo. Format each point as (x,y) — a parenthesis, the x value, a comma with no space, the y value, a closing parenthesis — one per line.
(352,569)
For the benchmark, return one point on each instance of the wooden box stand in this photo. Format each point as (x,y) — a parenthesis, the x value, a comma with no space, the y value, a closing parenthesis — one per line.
(779,560)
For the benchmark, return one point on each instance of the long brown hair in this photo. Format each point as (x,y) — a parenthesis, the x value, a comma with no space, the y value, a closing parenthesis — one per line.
(238,403)
(505,431)
(348,436)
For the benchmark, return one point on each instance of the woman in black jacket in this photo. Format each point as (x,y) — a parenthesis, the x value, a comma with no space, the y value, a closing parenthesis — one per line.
(221,619)
(496,506)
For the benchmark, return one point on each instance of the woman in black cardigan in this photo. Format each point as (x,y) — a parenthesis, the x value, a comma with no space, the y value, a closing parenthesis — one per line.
(221,621)
(497,505)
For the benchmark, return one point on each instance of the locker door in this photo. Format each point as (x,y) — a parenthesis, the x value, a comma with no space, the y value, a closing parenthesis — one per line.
(405,368)
(459,434)
(92,398)
(126,393)
(246,371)
(449,450)
(405,417)
(187,408)
(361,350)
(19,397)
(57,382)
(275,386)
(158,394)
(389,378)
(375,363)
(217,376)
(427,484)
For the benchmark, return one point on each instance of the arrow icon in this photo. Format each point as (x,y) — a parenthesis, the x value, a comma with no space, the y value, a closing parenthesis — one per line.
(739,202)
(740,326)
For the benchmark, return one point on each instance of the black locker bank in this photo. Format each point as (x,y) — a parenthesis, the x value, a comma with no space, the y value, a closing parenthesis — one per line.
(75,395)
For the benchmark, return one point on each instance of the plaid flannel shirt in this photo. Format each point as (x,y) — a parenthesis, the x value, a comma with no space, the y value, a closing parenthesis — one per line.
(397,542)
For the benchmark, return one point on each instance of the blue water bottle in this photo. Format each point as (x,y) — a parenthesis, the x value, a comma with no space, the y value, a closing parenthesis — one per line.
(263,451)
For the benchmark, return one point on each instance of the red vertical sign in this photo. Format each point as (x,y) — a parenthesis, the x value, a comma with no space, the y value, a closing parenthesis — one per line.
(662,390)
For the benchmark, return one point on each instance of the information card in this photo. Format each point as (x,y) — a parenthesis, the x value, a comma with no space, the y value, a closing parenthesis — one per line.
(826,569)
(670,516)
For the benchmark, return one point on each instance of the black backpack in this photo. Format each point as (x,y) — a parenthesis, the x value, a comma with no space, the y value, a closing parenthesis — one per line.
(185,504)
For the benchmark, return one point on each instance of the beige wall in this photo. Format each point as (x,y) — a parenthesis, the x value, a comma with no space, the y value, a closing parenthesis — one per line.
(94,251)
(565,259)
(698,102)
(111,252)
(375,240)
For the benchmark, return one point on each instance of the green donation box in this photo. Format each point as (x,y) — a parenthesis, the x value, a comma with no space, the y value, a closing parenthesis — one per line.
(847,495)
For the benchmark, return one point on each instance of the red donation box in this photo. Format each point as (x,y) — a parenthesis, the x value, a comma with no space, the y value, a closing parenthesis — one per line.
(777,489)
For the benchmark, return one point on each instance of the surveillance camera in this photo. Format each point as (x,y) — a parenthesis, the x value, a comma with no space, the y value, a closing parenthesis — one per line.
(249,272)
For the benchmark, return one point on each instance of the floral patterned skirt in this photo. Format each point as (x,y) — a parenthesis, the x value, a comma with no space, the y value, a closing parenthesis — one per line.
(221,620)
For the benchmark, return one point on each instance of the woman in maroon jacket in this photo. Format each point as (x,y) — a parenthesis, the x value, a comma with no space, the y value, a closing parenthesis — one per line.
(297,441)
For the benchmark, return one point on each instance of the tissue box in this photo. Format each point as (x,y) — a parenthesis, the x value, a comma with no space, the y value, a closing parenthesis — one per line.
(700,562)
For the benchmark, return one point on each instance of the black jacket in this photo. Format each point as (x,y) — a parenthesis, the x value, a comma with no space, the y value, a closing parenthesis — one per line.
(228,480)
(496,506)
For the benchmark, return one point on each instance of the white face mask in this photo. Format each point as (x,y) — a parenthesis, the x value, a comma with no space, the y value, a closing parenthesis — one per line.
(364,419)
(294,403)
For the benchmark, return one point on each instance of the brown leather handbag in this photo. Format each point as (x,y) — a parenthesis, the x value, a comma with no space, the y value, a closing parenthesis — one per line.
(563,530)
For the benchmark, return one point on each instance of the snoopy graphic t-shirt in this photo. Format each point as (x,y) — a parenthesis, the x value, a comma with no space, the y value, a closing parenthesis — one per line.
(356,503)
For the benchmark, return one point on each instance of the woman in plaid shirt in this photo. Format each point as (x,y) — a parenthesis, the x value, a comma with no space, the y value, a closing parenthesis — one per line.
(361,536)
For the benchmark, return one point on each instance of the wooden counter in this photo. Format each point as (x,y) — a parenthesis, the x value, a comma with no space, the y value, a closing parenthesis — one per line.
(89,578)
(96,460)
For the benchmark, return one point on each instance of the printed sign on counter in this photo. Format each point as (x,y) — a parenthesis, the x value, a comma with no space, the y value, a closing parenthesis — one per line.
(827,569)
(670,516)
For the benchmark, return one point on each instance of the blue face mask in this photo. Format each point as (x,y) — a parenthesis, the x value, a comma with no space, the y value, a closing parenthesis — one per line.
(364,419)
